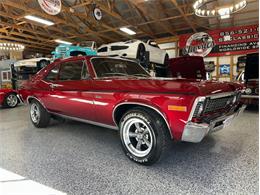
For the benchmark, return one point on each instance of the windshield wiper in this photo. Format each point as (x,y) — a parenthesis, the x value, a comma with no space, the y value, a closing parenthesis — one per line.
(115,73)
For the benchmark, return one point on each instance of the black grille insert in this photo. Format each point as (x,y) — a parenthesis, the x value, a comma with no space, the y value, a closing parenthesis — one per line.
(212,105)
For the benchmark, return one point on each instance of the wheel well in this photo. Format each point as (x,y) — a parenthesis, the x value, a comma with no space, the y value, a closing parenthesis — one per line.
(30,99)
(122,109)
(76,53)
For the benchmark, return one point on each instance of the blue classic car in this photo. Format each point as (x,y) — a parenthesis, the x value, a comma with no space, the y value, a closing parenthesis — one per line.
(82,49)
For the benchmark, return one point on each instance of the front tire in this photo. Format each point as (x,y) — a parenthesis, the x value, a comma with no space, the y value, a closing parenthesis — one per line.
(11,100)
(141,53)
(39,115)
(143,135)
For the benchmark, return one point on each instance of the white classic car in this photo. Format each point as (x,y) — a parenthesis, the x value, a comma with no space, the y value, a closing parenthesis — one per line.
(135,49)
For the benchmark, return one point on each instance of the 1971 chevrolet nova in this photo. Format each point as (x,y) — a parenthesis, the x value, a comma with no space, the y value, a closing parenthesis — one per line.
(120,94)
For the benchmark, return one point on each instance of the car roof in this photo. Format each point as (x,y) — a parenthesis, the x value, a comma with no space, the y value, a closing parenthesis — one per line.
(89,57)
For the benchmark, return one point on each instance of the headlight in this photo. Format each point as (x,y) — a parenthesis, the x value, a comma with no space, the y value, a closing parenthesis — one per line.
(234,99)
(248,91)
(200,109)
(257,91)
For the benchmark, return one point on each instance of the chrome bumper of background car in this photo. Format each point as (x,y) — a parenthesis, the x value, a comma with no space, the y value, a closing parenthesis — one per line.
(250,96)
(195,132)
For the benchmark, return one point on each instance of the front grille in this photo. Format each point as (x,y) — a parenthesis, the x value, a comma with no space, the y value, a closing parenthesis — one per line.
(212,105)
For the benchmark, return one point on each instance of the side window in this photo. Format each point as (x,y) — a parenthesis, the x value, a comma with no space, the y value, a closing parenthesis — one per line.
(102,49)
(71,71)
(52,75)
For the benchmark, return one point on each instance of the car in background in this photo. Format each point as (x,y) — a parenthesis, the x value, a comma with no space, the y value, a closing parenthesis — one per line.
(119,94)
(86,48)
(135,49)
(250,78)
(21,71)
(9,98)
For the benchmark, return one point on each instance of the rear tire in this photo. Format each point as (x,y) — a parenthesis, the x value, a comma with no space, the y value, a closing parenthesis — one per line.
(141,53)
(144,135)
(11,100)
(166,60)
(40,117)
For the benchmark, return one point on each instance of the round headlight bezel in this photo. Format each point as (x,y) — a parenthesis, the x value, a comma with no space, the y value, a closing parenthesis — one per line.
(248,91)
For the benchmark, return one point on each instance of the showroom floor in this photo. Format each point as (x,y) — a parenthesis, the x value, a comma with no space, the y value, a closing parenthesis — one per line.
(77,158)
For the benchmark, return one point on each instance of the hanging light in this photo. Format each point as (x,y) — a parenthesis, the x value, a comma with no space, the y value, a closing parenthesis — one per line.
(11,46)
(223,12)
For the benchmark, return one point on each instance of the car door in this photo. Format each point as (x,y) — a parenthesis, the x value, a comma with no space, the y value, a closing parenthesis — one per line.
(69,93)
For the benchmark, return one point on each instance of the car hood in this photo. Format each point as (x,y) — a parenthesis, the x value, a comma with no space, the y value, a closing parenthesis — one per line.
(169,86)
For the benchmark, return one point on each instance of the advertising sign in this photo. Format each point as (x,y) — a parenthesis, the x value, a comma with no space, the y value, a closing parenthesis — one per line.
(52,7)
(228,41)
(224,69)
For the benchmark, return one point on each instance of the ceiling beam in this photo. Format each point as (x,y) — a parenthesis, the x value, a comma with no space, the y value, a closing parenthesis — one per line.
(120,18)
(183,15)
(55,19)
(165,28)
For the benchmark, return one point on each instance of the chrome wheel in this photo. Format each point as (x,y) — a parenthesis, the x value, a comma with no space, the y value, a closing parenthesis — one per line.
(137,137)
(35,113)
(11,100)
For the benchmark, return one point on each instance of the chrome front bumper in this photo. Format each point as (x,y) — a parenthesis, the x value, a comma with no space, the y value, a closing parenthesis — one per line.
(195,132)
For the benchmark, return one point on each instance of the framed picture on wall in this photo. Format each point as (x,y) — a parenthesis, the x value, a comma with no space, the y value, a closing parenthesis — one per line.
(224,69)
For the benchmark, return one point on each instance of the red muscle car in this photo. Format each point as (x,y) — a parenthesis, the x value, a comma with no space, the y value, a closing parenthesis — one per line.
(120,94)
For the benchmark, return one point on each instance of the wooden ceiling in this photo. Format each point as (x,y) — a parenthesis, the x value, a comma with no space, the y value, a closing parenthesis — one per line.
(148,18)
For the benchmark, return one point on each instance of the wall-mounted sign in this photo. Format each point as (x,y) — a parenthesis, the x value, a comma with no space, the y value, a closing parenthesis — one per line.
(198,44)
(97,13)
(228,41)
(224,69)
(52,7)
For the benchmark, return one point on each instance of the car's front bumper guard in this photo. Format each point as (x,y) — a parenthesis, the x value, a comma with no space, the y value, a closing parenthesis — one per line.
(195,132)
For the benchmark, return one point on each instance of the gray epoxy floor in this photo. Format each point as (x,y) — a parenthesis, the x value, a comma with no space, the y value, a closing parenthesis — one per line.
(77,158)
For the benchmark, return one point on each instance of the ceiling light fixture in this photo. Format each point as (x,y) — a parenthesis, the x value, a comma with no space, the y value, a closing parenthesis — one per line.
(39,20)
(11,46)
(200,8)
(128,31)
(63,42)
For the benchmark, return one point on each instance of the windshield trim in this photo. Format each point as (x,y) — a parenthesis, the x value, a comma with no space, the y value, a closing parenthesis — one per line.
(117,58)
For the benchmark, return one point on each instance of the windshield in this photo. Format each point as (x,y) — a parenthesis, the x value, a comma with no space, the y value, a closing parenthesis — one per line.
(107,67)
(86,44)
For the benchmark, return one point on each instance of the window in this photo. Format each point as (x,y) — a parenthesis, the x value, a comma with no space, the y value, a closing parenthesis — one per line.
(102,49)
(53,74)
(72,71)
(106,67)
(154,44)
(114,48)
(6,75)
